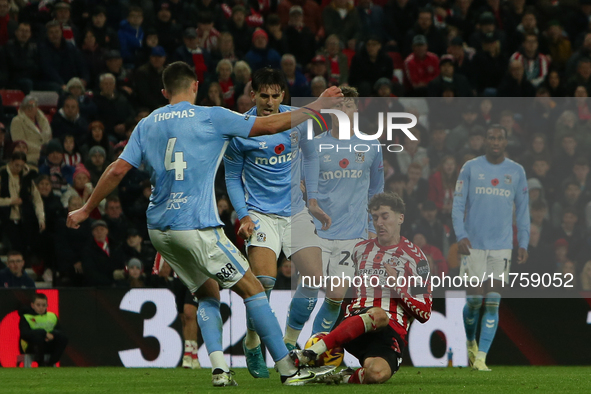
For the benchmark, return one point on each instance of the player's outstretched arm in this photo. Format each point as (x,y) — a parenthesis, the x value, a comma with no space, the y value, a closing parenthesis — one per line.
(277,123)
(108,182)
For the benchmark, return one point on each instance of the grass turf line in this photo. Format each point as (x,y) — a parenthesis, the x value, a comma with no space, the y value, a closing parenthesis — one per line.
(115,380)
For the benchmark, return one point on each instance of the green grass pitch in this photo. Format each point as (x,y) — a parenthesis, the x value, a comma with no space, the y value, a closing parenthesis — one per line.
(408,380)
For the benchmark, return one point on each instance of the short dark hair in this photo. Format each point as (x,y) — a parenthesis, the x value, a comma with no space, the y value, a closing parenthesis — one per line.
(70,97)
(135,8)
(13,253)
(205,18)
(268,76)
(39,296)
(425,9)
(388,199)
(18,156)
(497,126)
(42,177)
(52,23)
(581,161)
(177,77)
(112,199)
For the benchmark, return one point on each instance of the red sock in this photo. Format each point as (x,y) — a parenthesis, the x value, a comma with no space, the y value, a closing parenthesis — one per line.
(357,377)
(349,329)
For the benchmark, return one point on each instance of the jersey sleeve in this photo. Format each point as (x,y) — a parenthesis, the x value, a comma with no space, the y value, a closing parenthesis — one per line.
(522,210)
(311,164)
(133,150)
(233,165)
(231,124)
(376,183)
(416,300)
(459,203)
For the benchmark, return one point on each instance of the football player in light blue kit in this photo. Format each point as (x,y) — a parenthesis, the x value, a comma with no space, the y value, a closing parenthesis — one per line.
(351,173)
(263,181)
(181,146)
(487,189)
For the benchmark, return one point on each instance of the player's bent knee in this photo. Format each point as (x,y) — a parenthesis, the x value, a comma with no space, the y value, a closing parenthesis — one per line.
(190,312)
(248,285)
(377,370)
(379,316)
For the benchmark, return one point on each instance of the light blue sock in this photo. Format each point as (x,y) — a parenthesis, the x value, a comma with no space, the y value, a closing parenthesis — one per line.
(327,316)
(210,323)
(302,305)
(268,283)
(490,321)
(266,325)
(471,315)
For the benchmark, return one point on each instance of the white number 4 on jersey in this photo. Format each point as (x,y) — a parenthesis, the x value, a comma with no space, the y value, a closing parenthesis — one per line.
(179,165)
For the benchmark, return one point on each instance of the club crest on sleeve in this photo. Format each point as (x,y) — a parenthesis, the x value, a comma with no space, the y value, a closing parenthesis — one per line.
(459,186)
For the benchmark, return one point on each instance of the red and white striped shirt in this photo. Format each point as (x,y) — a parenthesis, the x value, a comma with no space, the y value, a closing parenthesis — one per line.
(402,303)
(158,264)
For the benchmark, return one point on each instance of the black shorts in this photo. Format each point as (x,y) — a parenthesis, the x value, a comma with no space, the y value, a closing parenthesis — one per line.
(383,343)
(183,296)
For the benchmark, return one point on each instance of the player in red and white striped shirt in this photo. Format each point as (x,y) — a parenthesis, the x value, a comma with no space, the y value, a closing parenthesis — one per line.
(377,322)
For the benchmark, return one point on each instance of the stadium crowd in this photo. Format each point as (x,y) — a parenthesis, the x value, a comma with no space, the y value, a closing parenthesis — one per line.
(105,60)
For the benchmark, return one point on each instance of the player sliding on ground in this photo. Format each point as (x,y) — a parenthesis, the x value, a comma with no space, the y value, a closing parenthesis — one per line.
(266,169)
(376,325)
(486,190)
(181,146)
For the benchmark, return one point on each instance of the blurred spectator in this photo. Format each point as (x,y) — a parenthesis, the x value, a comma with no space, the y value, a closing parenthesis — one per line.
(60,60)
(207,35)
(383,88)
(53,208)
(151,41)
(21,206)
(97,137)
(401,16)
(540,253)
(457,136)
(554,84)
(475,146)
(134,275)
(559,47)
(318,85)
(241,32)
(539,170)
(169,32)
(8,24)
(515,83)
(106,36)
(561,249)
(514,143)
(68,121)
(296,81)
(570,199)
(431,227)
(5,145)
(586,277)
(135,248)
(417,187)
(449,79)
(539,217)
(373,21)
(436,150)
(96,163)
(242,77)
(212,7)
(14,274)
(277,39)
(214,97)
(75,88)
(318,68)
(442,185)
(312,15)
(434,37)
(413,153)
(131,34)
(421,66)
(21,57)
(463,60)
(486,26)
(582,77)
(299,38)
(369,65)
(137,208)
(244,103)
(260,55)
(114,65)
(31,126)
(98,264)
(536,191)
(92,55)
(490,65)
(437,263)
(542,114)
(338,61)
(535,64)
(341,18)
(183,13)
(71,155)
(62,14)
(148,79)
(225,49)
(116,222)
(54,165)
(583,52)
(565,155)
(571,230)
(113,109)
(581,177)
(568,124)
(224,72)
(192,54)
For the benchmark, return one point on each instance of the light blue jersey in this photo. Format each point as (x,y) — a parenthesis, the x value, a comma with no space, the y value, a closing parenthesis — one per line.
(347,181)
(483,204)
(182,146)
(263,173)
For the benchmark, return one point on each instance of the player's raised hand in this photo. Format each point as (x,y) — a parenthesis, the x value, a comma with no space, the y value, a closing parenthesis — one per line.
(76,217)
(319,214)
(246,227)
(464,246)
(522,255)
(333,91)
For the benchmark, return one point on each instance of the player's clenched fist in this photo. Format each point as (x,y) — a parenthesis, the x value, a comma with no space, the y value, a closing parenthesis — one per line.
(246,227)
(464,246)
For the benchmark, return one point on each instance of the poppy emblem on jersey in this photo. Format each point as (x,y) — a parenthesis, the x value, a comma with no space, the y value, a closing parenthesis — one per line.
(359,157)
(344,163)
(508,180)
(279,149)
(261,237)
(494,182)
